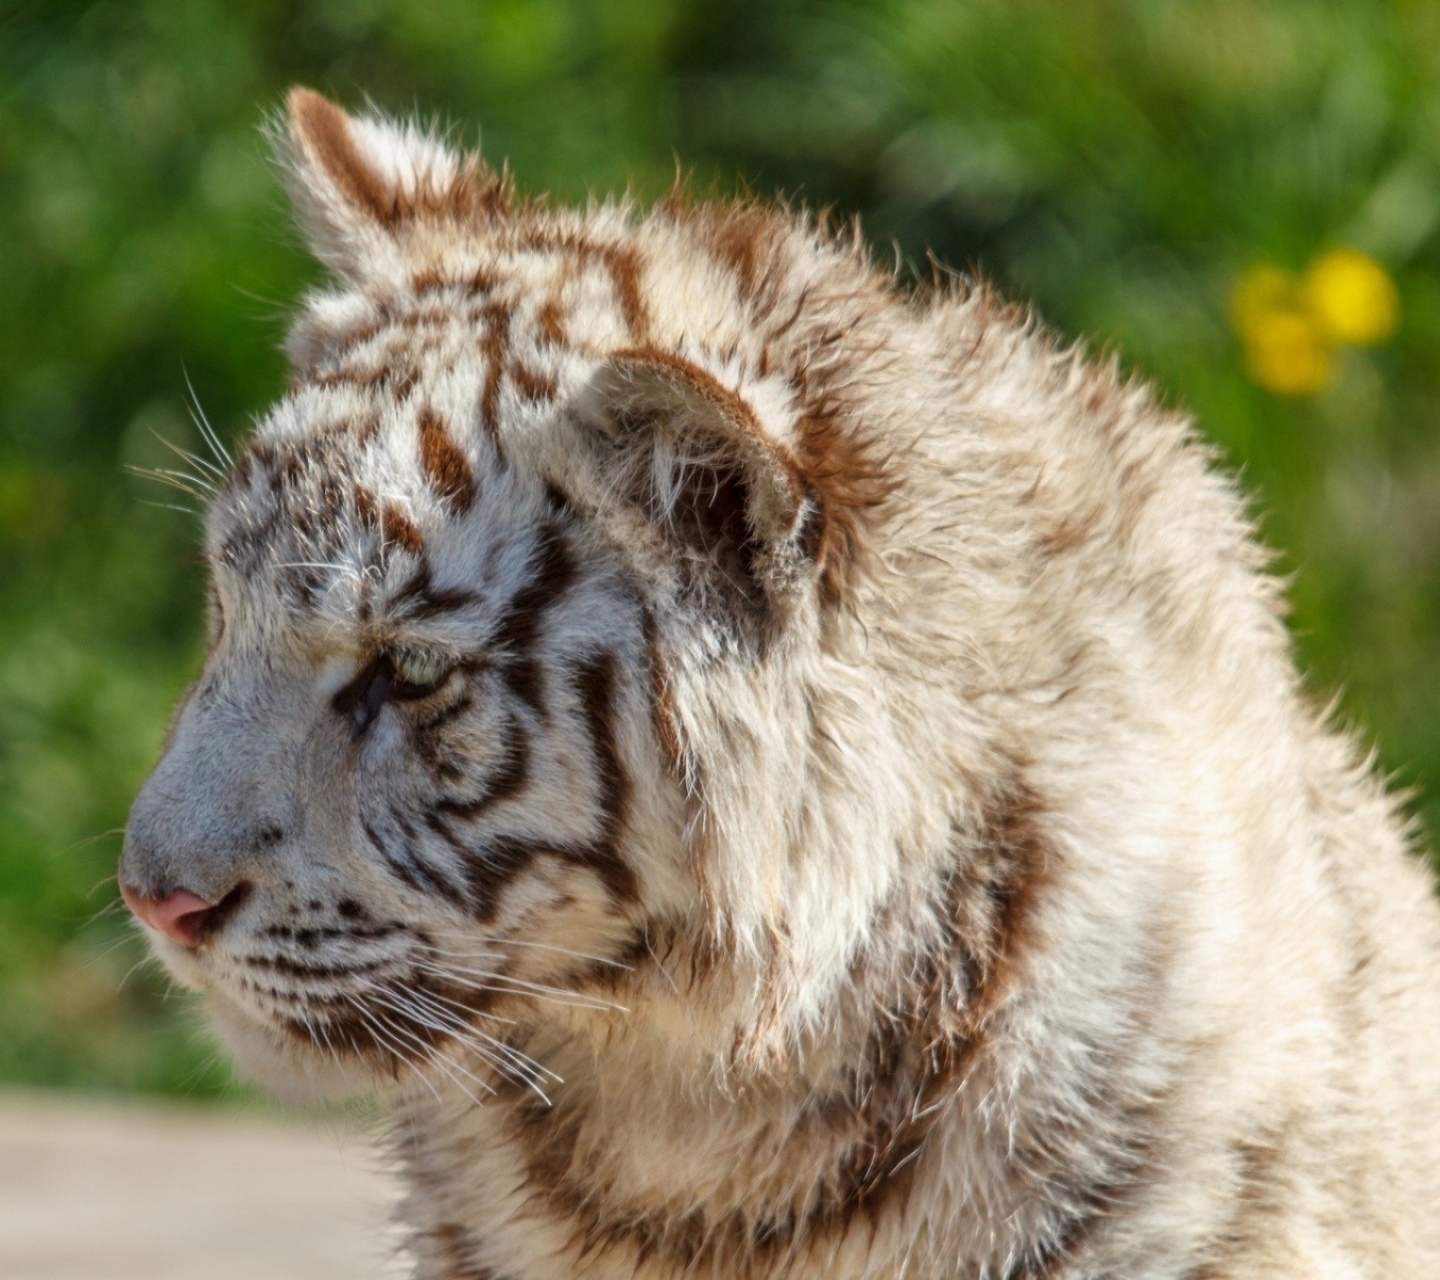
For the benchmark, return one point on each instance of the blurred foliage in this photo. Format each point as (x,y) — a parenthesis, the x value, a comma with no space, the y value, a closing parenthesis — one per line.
(1121,163)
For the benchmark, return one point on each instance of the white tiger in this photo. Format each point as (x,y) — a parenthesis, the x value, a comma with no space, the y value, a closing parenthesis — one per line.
(768,776)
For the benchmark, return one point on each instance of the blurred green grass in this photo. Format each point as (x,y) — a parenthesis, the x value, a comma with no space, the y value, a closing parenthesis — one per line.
(1118,162)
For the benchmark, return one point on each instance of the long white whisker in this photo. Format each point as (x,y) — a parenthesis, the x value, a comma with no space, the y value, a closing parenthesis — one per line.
(197,414)
(211,473)
(404,1003)
(123,940)
(439,1018)
(500,944)
(140,963)
(313,564)
(384,1033)
(170,506)
(433,1012)
(173,479)
(452,1013)
(428,1055)
(505,984)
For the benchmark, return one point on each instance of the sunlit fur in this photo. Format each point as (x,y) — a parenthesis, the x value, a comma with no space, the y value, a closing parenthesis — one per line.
(770,776)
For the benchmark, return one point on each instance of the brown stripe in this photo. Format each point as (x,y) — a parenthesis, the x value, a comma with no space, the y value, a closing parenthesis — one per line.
(667,734)
(844,471)
(1259,1201)
(294,969)
(741,236)
(408,864)
(623,264)
(322,133)
(595,684)
(400,531)
(491,867)
(550,322)
(444,463)
(427,280)
(432,746)
(494,346)
(308,936)
(366,508)
(397,378)
(532,384)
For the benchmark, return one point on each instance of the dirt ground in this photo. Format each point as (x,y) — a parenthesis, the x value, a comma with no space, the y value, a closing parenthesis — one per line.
(97,1190)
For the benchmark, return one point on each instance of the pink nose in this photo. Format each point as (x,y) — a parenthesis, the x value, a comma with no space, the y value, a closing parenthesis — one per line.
(182,916)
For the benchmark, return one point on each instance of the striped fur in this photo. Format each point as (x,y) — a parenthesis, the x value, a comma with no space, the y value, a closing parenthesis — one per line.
(770,777)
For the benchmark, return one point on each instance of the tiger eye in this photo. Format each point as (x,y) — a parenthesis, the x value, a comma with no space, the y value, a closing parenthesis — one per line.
(417,672)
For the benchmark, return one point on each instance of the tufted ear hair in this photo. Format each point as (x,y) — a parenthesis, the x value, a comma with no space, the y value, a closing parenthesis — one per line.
(362,185)
(723,490)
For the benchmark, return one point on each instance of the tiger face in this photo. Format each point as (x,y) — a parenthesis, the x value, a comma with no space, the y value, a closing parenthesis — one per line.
(433,766)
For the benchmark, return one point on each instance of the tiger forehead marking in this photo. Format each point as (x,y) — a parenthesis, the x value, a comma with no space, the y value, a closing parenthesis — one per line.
(770,777)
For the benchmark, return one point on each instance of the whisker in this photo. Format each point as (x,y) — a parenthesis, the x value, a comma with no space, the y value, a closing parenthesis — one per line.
(434,1011)
(383,1031)
(332,565)
(170,479)
(139,964)
(122,941)
(531,1070)
(171,506)
(436,1019)
(206,482)
(202,423)
(95,839)
(501,943)
(211,473)
(428,1055)
(115,908)
(520,986)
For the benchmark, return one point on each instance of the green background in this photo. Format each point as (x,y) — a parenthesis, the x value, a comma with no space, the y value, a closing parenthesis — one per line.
(1117,163)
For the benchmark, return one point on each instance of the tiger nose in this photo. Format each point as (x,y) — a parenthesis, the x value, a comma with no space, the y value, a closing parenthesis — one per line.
(181,916)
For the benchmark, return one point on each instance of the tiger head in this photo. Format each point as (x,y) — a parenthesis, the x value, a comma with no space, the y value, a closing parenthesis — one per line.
(526,602)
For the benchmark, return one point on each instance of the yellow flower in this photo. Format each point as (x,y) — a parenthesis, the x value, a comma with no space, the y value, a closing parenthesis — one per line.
(1262,289)
(1290,325)
(1352,297)
(1287,352)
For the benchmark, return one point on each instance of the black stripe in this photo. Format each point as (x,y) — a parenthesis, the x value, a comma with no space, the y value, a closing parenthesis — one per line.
(595,688)
(525,678)
(294,969)
(412,868)
(327,933)
(554,571)
(508,780)
(445,714)
(488,871)
(419,597)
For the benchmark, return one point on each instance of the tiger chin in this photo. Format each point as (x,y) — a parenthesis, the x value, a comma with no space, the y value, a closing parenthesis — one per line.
(768,776)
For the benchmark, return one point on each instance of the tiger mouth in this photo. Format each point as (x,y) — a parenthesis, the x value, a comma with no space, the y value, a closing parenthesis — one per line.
(396,1017)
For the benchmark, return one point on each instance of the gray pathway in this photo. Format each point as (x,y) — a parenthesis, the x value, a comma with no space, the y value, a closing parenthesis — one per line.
(93,1190)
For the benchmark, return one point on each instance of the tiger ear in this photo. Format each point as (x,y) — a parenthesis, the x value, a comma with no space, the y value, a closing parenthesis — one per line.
(695,455)
(361,185)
